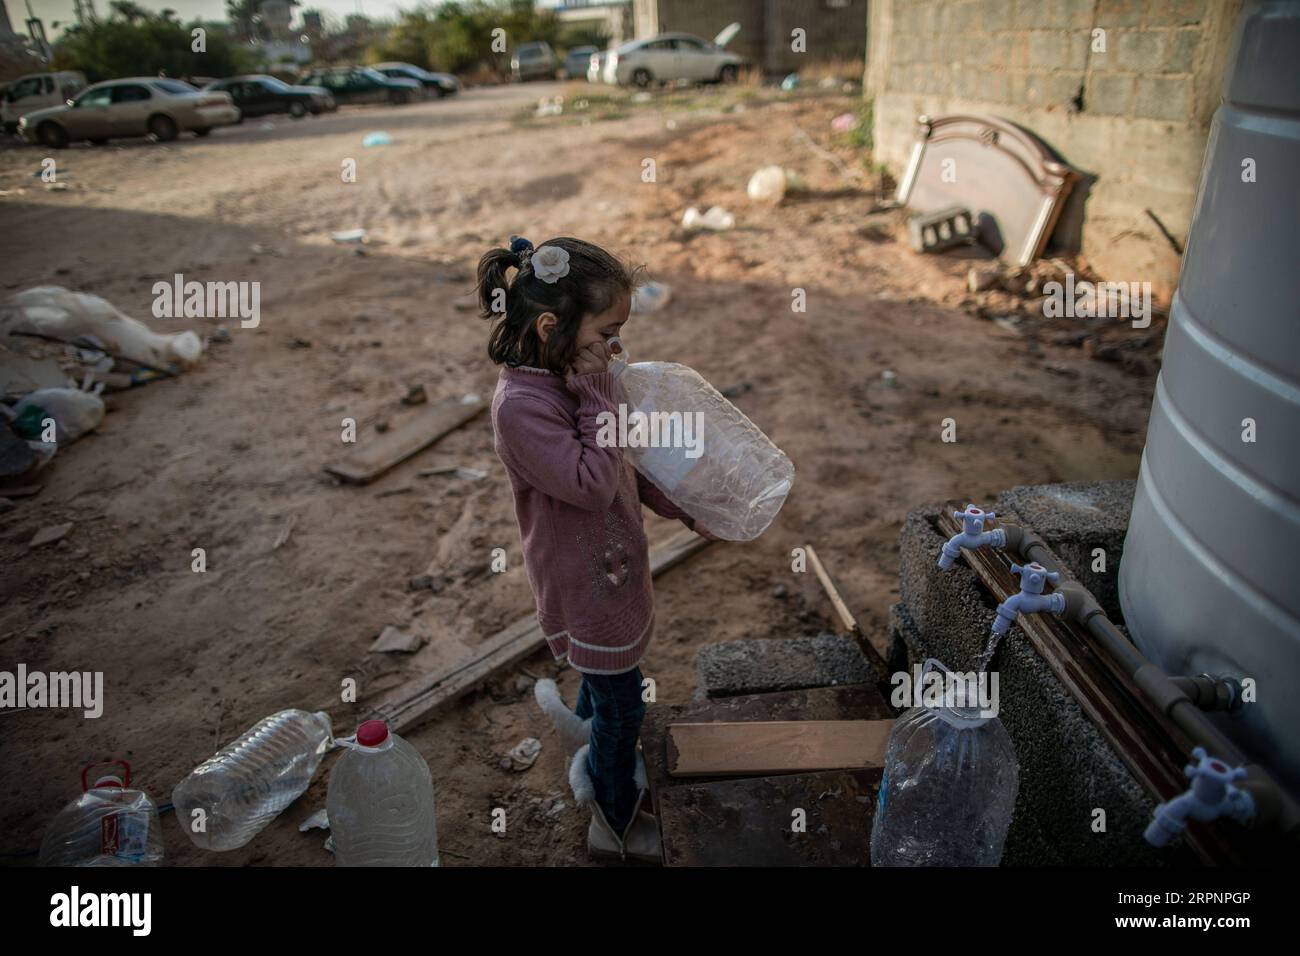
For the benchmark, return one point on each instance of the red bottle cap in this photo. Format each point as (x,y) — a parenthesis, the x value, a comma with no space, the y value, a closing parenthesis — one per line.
(372,733)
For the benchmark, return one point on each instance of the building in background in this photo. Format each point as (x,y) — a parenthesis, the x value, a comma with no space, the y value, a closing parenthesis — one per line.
(833,31)
(1134,116)
(611,19)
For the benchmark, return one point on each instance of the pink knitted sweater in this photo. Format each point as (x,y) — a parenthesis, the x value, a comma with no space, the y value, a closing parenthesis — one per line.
(579,511)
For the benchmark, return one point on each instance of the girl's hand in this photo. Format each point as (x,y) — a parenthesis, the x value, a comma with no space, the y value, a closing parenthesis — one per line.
(591,360)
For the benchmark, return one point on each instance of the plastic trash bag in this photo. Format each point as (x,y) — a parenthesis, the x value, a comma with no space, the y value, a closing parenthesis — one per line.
(74,413)
(53,311)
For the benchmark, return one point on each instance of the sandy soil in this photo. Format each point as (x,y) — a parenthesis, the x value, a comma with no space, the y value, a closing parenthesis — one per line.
(226,456)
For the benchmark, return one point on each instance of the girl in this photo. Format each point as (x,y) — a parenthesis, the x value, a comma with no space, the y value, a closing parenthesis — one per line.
(578,503)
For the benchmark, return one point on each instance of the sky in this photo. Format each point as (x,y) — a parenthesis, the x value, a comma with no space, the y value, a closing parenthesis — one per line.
(61,11)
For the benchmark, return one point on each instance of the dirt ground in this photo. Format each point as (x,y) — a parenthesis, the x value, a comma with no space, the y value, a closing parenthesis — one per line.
(230,454)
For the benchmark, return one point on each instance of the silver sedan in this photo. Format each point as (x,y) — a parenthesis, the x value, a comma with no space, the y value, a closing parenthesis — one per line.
(137,106)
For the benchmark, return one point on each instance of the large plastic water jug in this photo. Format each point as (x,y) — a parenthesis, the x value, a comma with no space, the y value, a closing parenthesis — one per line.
(236,792)
(110,824)
(700,450)
(380,802)
(949,788)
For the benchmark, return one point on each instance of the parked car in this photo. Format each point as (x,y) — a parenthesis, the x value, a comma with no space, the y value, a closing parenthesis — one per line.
(434,84)
(533,61)
(136,106)
(674,56)
(577,60)
(360,84)
(261,95)
(37,91)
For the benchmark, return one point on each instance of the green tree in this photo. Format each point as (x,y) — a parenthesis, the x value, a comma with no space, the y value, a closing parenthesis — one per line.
(131,41)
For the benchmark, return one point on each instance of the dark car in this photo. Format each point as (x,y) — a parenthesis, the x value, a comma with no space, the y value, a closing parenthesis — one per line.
(359,84)
(261,95)
(435,84)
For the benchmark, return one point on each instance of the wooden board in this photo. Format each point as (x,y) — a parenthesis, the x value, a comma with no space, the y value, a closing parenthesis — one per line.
(367,462)
(418,698)
(844,702)
(751,821)
(762,748)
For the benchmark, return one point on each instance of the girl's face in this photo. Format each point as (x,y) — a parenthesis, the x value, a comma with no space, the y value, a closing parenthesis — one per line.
(594,328)
(598,328)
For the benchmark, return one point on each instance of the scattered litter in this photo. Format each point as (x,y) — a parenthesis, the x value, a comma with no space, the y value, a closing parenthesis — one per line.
(268,126)
(415,395)
(50,534)
(349,235)
(982,278)
(258,249)
(56,187)
(716,219)
(642,97)
(394,641)
(52,312)
(771,183)
(20,374)
(378,138)
(522,755)
(650,297)
(1007,322)
(317,821)
(791,82)
(889,378)
(553,106)
(73,411)
(844,123)
(282,538)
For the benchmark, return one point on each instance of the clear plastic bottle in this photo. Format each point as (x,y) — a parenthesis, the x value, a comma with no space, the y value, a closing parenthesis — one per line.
(110,824)
(244,786)
(707,457)
(949,789)
(380,802)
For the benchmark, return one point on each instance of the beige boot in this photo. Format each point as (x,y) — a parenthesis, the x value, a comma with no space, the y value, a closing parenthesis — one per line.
(640,841)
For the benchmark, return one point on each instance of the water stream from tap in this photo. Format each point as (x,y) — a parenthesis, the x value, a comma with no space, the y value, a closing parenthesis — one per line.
(990,648)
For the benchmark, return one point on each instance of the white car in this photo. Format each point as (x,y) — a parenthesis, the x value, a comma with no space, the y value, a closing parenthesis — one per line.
(134,106)
(673,56)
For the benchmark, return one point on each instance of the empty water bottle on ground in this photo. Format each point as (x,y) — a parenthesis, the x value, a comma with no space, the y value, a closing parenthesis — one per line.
(242,787)
(380,802)
(699,449)
(949,788)
(110,824)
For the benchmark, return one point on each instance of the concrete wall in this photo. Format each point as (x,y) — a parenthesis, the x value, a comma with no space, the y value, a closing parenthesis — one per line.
(834,30)
(1135,116)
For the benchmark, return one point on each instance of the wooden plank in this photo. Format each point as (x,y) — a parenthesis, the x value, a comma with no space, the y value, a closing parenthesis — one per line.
(761,748)
(751,821)
(416,699)
(1150,745)
(367,462)
(841,609)
(844,702)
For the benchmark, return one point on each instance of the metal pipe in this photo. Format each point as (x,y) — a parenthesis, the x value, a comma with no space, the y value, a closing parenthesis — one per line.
(1176,697)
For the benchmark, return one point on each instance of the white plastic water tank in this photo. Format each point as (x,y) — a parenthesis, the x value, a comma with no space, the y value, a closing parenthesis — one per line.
(1209,580)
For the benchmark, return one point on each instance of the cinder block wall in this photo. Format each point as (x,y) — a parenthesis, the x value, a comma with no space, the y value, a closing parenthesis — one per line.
(1136,116)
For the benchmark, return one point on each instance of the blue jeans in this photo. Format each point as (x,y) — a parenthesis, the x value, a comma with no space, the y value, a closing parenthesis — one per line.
(614,704)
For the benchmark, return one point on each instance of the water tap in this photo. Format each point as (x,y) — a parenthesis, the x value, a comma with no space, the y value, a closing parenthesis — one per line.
(972,535)
(1031,599)
(1212,795)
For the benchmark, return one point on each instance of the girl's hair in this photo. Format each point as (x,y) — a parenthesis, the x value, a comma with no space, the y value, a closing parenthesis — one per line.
(596,280)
